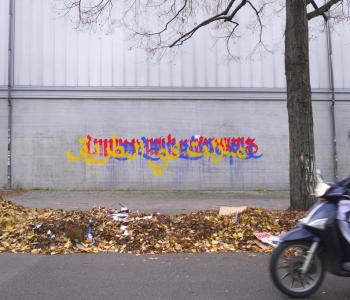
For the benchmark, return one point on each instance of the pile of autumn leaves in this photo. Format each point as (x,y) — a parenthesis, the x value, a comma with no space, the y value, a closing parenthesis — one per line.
(45,231)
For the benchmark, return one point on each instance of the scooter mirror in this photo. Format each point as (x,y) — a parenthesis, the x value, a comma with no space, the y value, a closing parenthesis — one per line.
(319,176)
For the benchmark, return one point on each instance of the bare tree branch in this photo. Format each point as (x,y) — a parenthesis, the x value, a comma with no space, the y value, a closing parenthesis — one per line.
(257,13)
(235,25)
(323,9)
(170,21)
(176,18)
(221,16)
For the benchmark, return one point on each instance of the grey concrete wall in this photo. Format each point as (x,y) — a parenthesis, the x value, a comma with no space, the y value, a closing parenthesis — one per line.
(323,139)
(3,142)
(343,137)
(45,129)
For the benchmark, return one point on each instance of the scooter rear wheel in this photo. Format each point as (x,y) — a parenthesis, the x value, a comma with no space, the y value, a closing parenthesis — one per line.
(285,264)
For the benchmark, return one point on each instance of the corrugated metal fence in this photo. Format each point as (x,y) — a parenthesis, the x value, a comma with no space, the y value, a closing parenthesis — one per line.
(50,52)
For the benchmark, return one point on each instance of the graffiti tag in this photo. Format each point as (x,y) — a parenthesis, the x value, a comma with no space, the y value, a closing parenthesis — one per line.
(160,151)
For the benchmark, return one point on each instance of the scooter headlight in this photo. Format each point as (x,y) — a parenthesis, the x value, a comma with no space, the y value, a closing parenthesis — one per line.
(321,189)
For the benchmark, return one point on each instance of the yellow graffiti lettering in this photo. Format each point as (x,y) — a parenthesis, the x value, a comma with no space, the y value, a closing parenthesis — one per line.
(158,169)
(72,157)
(219,157)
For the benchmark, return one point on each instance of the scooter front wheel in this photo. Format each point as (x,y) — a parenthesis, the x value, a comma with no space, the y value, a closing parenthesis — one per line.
(285,269)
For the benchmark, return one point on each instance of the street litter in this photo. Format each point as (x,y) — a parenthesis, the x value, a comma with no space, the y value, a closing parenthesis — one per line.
(262,246)
(90,237)
(50,231)
(121,215)
(232,211)
(267,238)
(123,227)
(144,218)
(229,211)
(126,233)
(38,225)
(75,232)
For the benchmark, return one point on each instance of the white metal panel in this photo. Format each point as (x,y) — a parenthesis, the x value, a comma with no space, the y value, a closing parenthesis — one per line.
(94,61)
(319,67)
(234,68)
(59,57)
(188,63)
(48,49)
(165,78)
(271,53)
(346,59)
(222,66)
(277,46)
(338,54)
(200,61)
(83,59)
(118,58)
(22,43)
(141,68)
(245,68)
(341,57)
(177,71)
(4,34)
(72,54)
(36,42)
(210,69)
(23,54)
(153,73)
(51,52)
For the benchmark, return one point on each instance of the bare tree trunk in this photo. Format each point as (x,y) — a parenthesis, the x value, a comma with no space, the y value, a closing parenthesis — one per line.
(299,104)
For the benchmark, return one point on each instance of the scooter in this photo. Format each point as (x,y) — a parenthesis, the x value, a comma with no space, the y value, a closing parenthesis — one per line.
(315,246)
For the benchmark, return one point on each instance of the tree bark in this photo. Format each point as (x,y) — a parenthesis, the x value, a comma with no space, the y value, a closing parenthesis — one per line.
(299,105)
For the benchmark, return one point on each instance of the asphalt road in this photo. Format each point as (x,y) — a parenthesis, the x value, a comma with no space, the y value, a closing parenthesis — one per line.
(146,277)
